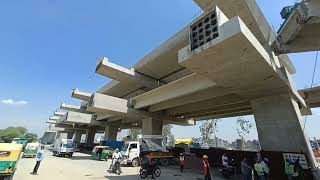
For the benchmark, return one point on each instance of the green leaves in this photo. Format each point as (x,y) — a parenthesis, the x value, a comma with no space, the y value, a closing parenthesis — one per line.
(9,133)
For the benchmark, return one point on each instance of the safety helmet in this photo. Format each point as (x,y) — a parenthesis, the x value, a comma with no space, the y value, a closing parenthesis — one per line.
(205,157)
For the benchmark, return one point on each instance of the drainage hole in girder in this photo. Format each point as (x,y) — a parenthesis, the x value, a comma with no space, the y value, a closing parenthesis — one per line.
(215,35)
(209,39)
(208,33)
(213,16)
(214,22)
(200,24)
(207,26)
(201,37)
(206,20)
(215,29)
(194,34)
(201,43)
(194,28)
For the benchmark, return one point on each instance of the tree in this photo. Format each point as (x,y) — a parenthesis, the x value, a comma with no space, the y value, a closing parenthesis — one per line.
(31,137)
(8,134)
(166,132)
(133,133)
(243,129)
(208,129)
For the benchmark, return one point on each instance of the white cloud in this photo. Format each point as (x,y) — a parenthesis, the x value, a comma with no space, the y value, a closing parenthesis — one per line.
(13,102)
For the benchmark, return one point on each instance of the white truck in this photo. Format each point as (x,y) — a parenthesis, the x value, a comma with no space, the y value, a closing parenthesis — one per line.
(149,143)
(62,147)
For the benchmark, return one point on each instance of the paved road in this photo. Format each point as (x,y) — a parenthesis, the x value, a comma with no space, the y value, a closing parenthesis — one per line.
(81,167)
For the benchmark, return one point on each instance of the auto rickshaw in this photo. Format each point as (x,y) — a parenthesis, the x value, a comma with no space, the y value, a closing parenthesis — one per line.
(30,150)
(101,153)
(9,156)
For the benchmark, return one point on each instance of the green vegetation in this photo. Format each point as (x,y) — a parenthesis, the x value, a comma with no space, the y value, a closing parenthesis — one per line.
(8,134)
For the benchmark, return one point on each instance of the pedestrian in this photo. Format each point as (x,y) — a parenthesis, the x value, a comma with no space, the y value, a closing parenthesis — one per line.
(206,168)
(246,170)
(295,169)
(266,170)
(258,167)
(287,164)
(39,158)
(99,152)
(181,162)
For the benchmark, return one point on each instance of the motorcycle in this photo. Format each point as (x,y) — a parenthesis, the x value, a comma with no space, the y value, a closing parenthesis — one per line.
(116,166)
(228,171)
(146,171)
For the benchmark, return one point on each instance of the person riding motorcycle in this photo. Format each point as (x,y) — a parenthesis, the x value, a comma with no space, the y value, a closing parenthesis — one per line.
(116,157)
(149,165)
(225,160)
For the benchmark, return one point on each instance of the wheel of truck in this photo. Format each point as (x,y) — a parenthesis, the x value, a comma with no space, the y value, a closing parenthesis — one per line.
(71,154)
(143,174)
(157,172)
(135,162)
(164,162)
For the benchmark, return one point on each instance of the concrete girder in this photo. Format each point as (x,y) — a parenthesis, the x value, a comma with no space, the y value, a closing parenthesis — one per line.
(81,118)
(311,96)
(69,107)
(125,75)
(81,95)
(51,122)
(301,30)
(248,71)
(181,87)
(205,111)
(59,113)
(54,118)
(114,106)
(252,16)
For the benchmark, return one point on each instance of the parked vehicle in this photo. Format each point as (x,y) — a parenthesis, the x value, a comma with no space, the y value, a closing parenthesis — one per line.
(105,152)
(132,150)
(31,150)
(62,147)
(9,156)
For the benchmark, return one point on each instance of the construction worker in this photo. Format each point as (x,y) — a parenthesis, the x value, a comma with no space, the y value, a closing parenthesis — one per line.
(287,164)
(266,170)
(259,168)
(294,170)
(246,170)
(206,168)
(181,162)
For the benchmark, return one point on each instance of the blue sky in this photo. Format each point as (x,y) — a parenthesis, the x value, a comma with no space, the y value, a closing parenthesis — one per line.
(49,47)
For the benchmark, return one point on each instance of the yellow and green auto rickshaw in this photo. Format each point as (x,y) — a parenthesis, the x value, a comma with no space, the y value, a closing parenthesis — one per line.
(9,156)
(30,150)
(101,153)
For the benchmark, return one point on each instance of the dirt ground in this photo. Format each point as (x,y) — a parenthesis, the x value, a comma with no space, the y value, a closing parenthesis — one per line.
(81,167)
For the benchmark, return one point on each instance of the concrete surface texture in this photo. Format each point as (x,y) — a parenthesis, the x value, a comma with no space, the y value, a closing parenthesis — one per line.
(81,167)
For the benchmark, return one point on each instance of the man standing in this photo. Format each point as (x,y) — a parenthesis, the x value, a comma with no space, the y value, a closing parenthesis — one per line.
(259,168)
(39,158)
(206,168)
(246,170)
(181,162)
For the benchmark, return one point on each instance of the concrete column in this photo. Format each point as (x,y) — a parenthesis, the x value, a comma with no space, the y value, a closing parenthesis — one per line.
(70,135)
(58,135)
(77,137)
(279,125)
(110,133)
(90,134)
(152,126)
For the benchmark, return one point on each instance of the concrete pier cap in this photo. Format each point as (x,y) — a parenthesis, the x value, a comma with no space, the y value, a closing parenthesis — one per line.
(301,30)
(76,93)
